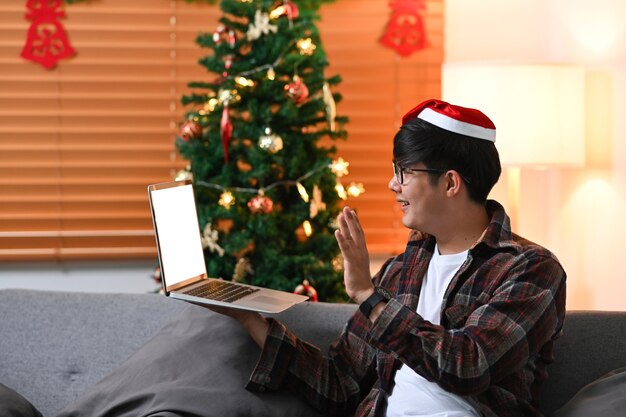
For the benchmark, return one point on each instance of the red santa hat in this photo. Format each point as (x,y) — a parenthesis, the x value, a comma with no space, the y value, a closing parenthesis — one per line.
(457,119)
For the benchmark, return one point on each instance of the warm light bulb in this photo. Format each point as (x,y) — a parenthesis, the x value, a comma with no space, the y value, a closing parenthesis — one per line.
(308,229)
(244,82)
(271,74)
(341,191)
(209,106)
(277,12)
(303,193)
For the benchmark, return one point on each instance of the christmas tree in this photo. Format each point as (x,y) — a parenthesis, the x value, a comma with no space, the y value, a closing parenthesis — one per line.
(259,138)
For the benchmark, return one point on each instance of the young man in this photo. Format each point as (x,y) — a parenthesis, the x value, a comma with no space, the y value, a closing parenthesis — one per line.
(462,323)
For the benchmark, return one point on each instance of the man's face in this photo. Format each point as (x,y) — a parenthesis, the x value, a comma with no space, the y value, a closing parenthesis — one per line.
(420,200)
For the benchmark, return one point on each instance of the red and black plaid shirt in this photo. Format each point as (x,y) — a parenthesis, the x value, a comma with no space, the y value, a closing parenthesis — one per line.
(501,314)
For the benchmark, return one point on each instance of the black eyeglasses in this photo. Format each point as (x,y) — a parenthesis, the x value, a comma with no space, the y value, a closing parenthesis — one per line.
(399,170)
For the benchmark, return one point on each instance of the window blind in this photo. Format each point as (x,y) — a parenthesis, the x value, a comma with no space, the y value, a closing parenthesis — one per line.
(80,143)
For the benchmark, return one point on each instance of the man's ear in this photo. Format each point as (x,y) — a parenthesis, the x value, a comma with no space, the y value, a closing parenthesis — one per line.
(453,182)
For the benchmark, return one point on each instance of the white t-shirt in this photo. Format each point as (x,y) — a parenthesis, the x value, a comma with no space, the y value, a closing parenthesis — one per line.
(413,395)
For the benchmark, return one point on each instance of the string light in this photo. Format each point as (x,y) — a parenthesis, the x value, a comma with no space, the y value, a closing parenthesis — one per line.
(341,191)
(308,229)
(209,106)
(271,74)
(303,193)
(244,82)
(339,188)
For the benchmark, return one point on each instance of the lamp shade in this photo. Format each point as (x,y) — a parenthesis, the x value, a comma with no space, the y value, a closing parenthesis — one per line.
(538,110)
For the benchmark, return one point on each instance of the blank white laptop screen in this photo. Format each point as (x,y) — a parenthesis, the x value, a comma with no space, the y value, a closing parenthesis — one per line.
(176,219)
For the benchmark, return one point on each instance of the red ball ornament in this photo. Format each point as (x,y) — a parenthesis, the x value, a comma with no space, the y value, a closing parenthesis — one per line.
(306,289)
(260,204)
(190,130)
(297,90)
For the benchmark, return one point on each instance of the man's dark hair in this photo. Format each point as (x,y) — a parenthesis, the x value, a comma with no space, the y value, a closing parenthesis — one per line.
(477,160)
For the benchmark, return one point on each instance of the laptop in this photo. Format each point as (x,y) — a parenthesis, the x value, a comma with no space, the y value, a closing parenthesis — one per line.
(181,256)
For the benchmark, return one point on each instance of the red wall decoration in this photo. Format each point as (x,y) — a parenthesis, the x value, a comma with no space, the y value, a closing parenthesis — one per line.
(405,30)
(46,40)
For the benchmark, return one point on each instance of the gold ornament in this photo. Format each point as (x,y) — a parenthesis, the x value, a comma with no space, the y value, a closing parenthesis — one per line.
(227,200)
(306,46)
(331,109)
(270,142)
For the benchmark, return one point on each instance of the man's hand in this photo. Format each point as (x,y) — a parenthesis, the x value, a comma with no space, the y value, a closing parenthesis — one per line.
(254,323)
(356,260)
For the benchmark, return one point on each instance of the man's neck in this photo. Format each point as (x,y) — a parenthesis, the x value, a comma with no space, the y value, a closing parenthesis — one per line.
(464,231)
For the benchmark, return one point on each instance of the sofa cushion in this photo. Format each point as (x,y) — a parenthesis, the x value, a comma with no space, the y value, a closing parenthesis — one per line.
(604,397)
(14,405)
(197,365)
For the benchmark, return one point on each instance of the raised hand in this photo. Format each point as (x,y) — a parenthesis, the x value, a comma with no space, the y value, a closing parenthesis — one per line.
(356,260)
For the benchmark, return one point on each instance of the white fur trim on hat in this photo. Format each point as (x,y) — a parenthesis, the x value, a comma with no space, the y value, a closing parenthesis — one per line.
(456,126)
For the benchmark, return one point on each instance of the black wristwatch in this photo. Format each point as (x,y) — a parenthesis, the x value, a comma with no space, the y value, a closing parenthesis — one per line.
(379,295)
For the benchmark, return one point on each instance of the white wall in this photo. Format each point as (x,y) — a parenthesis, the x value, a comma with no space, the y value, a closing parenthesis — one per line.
(580,214)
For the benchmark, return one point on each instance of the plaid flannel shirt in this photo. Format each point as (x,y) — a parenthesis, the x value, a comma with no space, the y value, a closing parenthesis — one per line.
(501,313)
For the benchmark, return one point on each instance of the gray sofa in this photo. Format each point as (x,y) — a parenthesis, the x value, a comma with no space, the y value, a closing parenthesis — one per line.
(55,347)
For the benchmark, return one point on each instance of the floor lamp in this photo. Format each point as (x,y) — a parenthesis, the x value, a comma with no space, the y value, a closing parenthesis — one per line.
(538,111)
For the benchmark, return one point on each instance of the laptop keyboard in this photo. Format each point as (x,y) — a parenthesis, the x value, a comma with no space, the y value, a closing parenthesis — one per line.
(219,290)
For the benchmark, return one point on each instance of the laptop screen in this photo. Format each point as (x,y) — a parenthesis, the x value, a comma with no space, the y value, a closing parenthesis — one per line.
(178,234)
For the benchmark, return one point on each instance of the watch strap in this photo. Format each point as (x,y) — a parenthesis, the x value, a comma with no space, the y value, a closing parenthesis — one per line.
(372,301)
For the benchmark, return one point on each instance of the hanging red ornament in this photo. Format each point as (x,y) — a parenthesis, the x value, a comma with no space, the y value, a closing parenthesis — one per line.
(260,204)
(306,289)
(46,40)
(405,30)
(226,131)
(297,90)
(190,129)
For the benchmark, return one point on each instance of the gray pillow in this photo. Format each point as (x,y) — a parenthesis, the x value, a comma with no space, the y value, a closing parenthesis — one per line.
(197,365)
(13,404)
(604,397)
